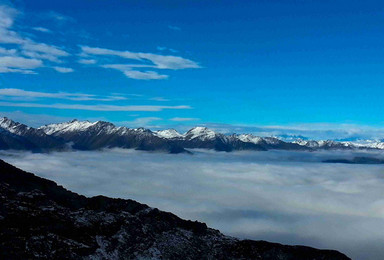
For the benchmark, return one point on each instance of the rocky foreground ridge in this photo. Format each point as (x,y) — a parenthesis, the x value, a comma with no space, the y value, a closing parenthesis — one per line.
(41,220)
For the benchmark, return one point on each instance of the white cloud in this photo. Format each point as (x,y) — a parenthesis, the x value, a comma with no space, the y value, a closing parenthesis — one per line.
(44,48)
(145,75)
(159,61)
(135,74)
(42,29)
(7,16)
(156,62)
(160,99)
(43,51)
(18,64)
(26,46)
(63,69)
(286,197)
(4,51)
(87,61)
(31,95)
(94,107)
(183,119)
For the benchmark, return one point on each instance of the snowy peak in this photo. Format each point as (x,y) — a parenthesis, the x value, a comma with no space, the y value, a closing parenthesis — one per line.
(326,144)
(12,126)
(142,130)
(168,134)
(249,138)
(307,143)
(201,133)
(373,144)
(71,126)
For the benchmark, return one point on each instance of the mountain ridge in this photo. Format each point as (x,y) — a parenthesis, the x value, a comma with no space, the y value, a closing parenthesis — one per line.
(86,135)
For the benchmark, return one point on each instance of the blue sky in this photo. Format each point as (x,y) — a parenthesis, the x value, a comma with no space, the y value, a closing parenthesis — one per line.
(181,63)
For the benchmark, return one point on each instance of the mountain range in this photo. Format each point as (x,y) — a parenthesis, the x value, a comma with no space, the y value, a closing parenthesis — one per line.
(85,135)
(41,220)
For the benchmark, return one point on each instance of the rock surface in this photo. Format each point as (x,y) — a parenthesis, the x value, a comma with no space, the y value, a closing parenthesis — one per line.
(41,220)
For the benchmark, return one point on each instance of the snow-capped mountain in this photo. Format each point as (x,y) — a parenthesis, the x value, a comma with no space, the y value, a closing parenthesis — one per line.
(18,136)
(248,138)
(85,135)
(168,134)
(201,133)
(71,126)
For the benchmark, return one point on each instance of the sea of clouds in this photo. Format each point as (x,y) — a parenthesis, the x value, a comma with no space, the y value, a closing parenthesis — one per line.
(279,196)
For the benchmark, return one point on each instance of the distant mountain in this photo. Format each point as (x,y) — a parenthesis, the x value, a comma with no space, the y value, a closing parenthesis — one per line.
(18,136)
(41,220)
(85,135)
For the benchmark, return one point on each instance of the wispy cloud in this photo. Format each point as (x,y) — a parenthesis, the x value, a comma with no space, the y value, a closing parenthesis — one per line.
(144,75)
(145,68)
(42,29)
(147,108)
(127,70)
(31,95)
(4,51)
(63,69)
(158,61)
(131,70)
(26,47)
(87,61)
(160,99)
(18,64)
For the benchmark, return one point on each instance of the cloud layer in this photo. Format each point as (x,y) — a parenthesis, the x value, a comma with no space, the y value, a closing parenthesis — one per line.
(286,197)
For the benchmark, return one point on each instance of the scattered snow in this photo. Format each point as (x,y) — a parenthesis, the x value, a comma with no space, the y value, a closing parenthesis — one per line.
(248,138)
(71,126)
(271,140)
(11,126)
(307,143)
(202,133)
(168,134)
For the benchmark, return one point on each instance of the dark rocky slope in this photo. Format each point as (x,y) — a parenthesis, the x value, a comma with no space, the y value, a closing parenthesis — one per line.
(41,220)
